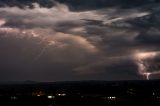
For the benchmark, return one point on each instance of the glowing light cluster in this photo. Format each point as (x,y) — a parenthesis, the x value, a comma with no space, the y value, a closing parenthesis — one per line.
(112,98)
(61,94)
(50,97)
(14,98)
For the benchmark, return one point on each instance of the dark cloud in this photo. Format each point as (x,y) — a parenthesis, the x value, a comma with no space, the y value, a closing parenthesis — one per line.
(111,69)
(79,40)
(79,5)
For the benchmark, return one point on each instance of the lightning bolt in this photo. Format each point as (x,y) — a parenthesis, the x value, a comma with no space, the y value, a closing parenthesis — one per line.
(44,49)
(140,60)
(147,75)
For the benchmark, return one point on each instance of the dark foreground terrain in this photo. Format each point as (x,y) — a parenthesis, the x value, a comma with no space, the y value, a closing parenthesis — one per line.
(81,93)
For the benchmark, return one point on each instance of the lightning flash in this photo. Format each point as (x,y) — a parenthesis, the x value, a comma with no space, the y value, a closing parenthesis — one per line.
(141,60)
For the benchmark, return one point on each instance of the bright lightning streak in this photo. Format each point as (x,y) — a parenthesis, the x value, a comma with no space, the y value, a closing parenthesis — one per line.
(48,39)
(41,53)
(50,43)
(25,33)
(147,75)
(140,60)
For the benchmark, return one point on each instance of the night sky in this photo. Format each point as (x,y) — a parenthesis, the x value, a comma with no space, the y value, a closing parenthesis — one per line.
(70,40)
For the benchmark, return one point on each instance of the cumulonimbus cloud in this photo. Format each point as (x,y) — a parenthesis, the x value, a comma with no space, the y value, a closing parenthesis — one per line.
(90,42)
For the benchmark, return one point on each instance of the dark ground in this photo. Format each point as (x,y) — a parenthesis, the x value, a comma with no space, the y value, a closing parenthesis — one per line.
(81,93)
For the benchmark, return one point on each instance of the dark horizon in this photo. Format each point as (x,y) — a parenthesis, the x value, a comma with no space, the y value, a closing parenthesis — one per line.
(74,81)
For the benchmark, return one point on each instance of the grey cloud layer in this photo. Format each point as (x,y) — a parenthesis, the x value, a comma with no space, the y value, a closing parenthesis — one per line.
(58,44)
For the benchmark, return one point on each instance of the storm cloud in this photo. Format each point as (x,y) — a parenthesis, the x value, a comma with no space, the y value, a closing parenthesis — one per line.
(63,42)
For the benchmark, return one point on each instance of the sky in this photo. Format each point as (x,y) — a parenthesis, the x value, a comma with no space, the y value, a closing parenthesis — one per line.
(70,40)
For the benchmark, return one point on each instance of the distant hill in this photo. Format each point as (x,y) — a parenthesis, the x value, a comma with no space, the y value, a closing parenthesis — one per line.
(19,82)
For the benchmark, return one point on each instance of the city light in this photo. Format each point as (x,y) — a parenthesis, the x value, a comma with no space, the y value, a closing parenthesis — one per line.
(13,98)
(63,94)
(38,93)
(153,93)
(112,98)
(51,97)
